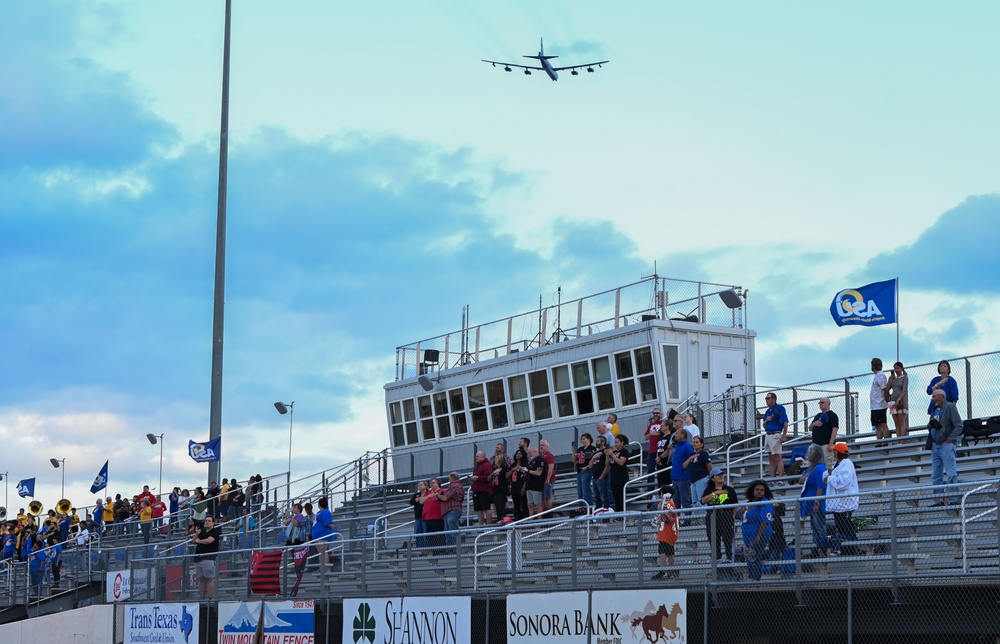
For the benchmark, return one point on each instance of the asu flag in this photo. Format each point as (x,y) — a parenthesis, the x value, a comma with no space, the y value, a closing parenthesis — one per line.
(26,488)
(869,305)
(101,480)
(207,452)
(265,566)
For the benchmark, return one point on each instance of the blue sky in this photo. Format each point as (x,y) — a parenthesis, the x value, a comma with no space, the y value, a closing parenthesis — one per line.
(381,178)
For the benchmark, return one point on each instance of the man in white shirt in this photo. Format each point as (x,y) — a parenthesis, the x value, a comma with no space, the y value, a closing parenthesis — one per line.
(83,536)
(879,401)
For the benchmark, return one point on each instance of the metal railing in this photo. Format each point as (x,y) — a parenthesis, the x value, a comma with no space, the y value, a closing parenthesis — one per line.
(965,521)
(514,534)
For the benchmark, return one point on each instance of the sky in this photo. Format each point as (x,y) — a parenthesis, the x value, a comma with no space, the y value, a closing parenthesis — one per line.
(381,178)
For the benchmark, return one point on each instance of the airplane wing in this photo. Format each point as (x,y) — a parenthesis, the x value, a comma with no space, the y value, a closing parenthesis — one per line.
(506,65)
(589,66)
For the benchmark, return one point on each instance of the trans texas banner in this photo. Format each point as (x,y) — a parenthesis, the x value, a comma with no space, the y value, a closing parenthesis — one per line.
(869,305)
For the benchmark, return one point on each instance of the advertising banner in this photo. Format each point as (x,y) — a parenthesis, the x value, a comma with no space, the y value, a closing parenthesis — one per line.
(287,622)
(408,620)
(122,585)
(616,617)
(161,623)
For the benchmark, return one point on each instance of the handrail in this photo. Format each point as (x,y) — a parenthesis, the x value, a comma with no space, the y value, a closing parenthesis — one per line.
(965,560)
(649,475)
(384,519)
(760,453)
(513,527)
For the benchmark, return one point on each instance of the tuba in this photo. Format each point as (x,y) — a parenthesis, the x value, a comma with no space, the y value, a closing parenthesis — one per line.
(3,512)
(64,506)
(35,508)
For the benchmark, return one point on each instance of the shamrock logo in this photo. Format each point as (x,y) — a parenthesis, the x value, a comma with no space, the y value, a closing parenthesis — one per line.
(364,625)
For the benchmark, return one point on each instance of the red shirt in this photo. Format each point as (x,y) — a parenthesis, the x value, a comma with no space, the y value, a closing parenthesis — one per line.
(432,507)
(654,439)
(550,459)
(482,472)
(158,509)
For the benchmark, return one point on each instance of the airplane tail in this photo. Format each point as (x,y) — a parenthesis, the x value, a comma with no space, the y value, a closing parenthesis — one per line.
(541,51)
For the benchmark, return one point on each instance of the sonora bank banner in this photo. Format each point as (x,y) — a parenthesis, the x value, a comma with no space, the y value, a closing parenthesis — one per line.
(615,617)
(408,620)
(161,623)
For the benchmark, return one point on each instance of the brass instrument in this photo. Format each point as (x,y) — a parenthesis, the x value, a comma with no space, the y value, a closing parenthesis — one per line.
(64,506)
(35,508)
(3,512)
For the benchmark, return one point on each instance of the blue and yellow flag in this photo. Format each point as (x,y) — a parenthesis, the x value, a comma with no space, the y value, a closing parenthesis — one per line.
(101,480)
(869,305)
(207,452)
(26,488)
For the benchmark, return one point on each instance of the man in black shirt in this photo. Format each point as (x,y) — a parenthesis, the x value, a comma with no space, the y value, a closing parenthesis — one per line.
(824,432)
(537,472)
(205,550)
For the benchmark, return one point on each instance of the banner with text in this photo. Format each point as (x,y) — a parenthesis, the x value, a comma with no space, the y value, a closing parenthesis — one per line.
(408,620)
(161,623)
(125,584)
(616,617)
(289,622)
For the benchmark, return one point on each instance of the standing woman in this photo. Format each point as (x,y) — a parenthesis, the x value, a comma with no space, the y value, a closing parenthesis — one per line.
(899,399)
(945,383)
(698,465)
(619,470)
(599,468)
(500,486)
(433,518)
(812,504)
(757,526)
(515,477)
(418,513)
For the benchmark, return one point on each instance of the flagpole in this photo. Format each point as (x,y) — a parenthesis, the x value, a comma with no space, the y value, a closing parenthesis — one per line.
(897,319)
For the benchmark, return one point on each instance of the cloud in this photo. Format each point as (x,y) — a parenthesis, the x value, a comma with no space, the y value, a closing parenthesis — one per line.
(955,255)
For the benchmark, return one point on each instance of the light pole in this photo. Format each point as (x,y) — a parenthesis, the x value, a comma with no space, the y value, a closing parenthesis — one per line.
(5,476)
(55,463)
(153,440)
(289,409)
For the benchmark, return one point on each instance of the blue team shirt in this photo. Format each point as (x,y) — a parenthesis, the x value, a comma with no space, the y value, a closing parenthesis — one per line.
(752,519)
(778,418)
(682,452)
(37,561)
(814,483)
(320,529)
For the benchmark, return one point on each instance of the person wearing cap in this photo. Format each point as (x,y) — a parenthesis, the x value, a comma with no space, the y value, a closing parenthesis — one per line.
(718,493)
(776,432)
(843,480)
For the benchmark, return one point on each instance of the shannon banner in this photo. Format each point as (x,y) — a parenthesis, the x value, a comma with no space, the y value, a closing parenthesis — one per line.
(408,620)
(869,305)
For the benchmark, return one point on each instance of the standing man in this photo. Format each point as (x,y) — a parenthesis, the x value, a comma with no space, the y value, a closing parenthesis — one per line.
(482,489)
(945,426)
(535,481)
(501,450)
(842,479)
(879,401)
(205,550)
(604,429)
(653,436)
(550,473)
(776,426)
(683,450)
(824,432)
(451,507)
(523,443)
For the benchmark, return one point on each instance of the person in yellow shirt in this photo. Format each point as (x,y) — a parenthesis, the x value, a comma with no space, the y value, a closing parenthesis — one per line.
(22,518)
(613,424)
(74,521)
(109,514)
(146,521)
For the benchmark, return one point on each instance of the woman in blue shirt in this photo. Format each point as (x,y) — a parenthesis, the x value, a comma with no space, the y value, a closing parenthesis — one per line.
(945,383)
(756,527)
(36,567)
(323,530)
(812,504)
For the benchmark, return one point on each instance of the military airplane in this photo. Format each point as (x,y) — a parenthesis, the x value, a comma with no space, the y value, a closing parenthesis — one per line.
(546,66)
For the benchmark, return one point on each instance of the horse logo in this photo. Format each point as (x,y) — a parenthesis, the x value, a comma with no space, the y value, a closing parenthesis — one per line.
(656,626)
